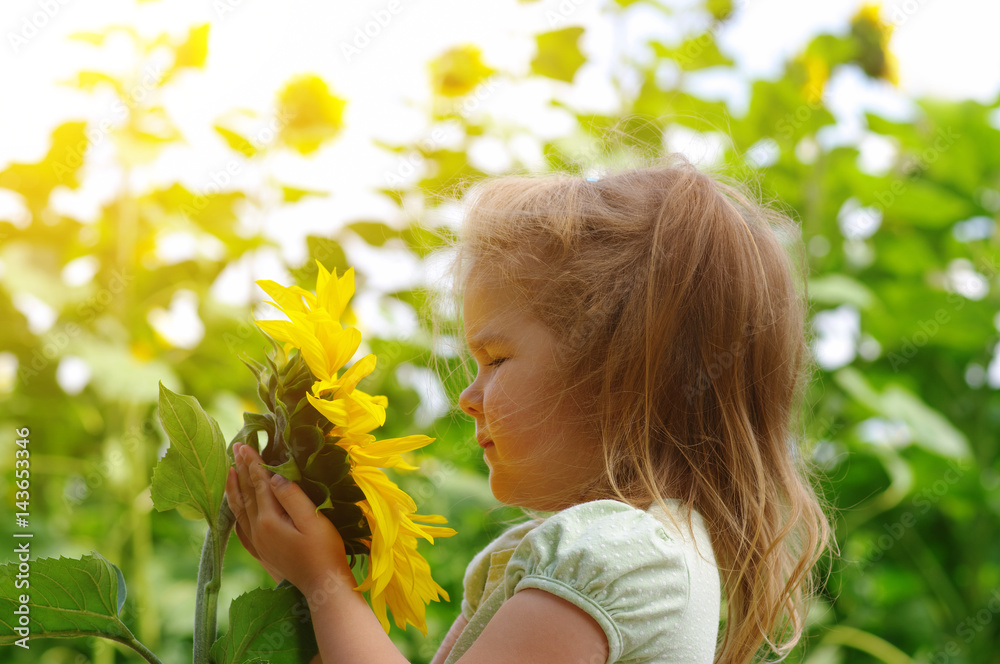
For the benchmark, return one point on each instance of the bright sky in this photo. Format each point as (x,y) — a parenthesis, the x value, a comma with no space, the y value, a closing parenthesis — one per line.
(945,49)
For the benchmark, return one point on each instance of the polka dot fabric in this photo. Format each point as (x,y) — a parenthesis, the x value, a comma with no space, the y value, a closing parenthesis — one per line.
(652,588)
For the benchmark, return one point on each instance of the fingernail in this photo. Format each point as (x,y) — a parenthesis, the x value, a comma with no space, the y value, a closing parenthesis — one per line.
(279,480)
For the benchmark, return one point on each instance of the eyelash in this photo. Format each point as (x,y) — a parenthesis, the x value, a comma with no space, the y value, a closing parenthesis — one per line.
(496,362)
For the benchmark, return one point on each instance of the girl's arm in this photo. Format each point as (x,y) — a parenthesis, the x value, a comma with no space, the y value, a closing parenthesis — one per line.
(279,519)
(446,645)
(536,627)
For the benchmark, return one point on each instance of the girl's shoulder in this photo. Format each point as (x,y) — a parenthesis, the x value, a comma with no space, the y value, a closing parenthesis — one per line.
(637,572)
(643,575)
(484,570)
(611,520)
(607,531)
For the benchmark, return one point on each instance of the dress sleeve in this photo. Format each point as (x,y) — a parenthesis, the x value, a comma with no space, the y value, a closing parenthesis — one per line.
(477,572)
(616,563)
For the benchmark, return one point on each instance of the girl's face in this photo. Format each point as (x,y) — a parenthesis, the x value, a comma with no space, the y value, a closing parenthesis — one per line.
(539,440)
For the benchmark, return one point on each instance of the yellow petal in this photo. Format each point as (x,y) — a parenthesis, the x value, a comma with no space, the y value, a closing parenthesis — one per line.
(358,370)
(398,445)
(370,405)
(429,518)
(322,279)
(284,298)
(384,525)
(340,343)
(338,293)
(335,410)
(279,330)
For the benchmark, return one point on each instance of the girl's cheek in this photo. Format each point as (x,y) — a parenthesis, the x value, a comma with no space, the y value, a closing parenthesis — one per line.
(492,407)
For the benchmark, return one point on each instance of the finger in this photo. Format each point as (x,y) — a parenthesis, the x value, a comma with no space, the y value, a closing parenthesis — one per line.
(247,492)
(236,505)
(295,502)
(235,499)
(233,496)
(246,541)
(260,476)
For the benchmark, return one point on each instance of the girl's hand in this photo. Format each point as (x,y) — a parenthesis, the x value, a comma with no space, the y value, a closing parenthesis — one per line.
(236,506)
(278,524)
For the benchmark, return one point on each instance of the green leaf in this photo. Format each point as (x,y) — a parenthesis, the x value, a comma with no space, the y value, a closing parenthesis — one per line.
(268,624)
(67,598)
(374,233)
(289,470)
(59,167)
(347,493)
(840,289)
(559,55)
(395,194)
(930,429)
(855,384)
(193,472)
(328,465)
(906,132)
(920,202)
(306,441)
(326,251)
(696,53)
(681,108)
(423,240)
(262,421)
(720,9)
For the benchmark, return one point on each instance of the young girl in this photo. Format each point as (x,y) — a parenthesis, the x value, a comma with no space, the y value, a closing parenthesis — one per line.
(641,353)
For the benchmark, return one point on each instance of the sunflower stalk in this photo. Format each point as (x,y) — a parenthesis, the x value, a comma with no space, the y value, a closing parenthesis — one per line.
(213,552)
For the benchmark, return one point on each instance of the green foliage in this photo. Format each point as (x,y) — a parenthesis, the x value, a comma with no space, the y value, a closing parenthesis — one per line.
(192,475)
(559,55)
(267,625)
(67,598)
(694,53)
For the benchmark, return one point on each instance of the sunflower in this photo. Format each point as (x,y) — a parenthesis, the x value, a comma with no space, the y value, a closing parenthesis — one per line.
(318,425)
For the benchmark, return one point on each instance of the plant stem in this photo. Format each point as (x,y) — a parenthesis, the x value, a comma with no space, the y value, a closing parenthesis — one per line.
(209,582)
(146,653)
(865,642)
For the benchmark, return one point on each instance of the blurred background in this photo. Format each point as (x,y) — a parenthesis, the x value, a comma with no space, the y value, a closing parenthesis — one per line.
(158,157)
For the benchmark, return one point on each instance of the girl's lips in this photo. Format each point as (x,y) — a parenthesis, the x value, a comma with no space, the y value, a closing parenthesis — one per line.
(485,443)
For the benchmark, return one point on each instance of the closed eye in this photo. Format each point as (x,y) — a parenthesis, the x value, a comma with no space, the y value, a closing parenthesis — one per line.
(496,362)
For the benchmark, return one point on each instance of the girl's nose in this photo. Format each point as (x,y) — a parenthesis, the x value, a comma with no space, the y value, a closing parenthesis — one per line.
(470,400)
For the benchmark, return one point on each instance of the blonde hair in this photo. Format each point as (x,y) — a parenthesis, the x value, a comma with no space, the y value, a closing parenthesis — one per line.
(675,304)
